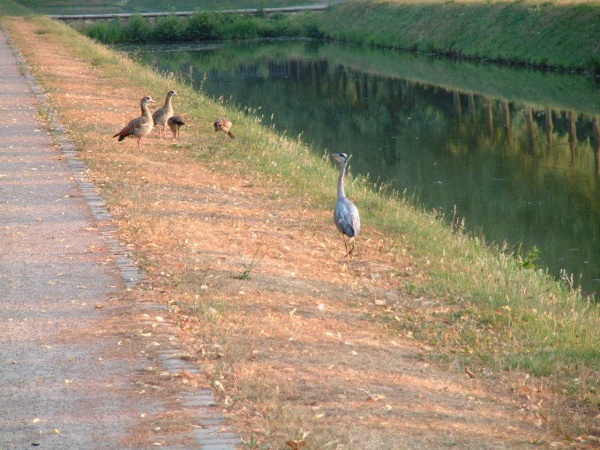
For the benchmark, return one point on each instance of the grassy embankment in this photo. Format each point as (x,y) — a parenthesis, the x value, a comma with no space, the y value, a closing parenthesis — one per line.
(502,315)
(549,35)
(542,34)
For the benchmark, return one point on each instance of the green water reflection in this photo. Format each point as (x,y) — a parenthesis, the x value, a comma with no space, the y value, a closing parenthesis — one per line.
(517,152)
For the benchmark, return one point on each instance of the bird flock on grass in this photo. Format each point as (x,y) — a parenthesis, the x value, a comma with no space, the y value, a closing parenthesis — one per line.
(345,214)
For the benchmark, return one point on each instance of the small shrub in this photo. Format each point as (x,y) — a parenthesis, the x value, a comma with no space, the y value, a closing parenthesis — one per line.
(138,30)
(168,28)
(106,32)
(203,26)
(245,27)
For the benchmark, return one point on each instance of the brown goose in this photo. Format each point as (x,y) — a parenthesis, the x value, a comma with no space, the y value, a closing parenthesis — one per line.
(224,124)
(162,115)
(140,126)
(175,123)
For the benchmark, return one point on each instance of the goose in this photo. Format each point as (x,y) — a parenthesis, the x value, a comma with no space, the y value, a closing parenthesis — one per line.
(162,115)
(345,215)
(140,126)
(175,123)
(224,124)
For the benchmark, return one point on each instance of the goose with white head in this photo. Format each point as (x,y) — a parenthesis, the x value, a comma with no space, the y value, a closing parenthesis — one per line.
(140,126)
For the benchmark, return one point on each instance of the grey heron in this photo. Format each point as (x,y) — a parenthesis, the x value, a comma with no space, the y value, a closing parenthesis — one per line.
(345,215)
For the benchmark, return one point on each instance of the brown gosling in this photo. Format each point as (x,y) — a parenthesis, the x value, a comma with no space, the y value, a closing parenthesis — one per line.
(175,123)
(224,124)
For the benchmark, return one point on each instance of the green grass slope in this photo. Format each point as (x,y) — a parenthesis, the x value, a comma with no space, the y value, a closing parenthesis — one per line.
(530,33)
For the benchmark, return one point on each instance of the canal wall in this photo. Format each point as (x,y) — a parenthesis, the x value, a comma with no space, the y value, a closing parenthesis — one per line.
(153,16)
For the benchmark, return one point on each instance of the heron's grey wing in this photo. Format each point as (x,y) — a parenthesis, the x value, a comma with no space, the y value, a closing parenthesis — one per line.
(346,218)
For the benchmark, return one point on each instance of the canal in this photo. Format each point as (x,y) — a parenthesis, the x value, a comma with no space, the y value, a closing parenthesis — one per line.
(512,153)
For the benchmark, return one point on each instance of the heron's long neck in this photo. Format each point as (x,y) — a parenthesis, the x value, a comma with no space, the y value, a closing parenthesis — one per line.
(341,193)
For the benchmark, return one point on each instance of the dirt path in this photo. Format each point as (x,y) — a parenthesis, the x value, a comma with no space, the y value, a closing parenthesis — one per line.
(80,354)
(296,346)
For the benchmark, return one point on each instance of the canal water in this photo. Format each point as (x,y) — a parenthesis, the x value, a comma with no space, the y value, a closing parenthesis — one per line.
(513,152)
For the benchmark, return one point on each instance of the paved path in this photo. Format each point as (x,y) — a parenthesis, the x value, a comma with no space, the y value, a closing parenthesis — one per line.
(53,272)
(65,382)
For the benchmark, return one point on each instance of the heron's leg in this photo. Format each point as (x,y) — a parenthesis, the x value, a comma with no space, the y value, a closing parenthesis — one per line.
(347,252)
(353,244)
(345,243)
